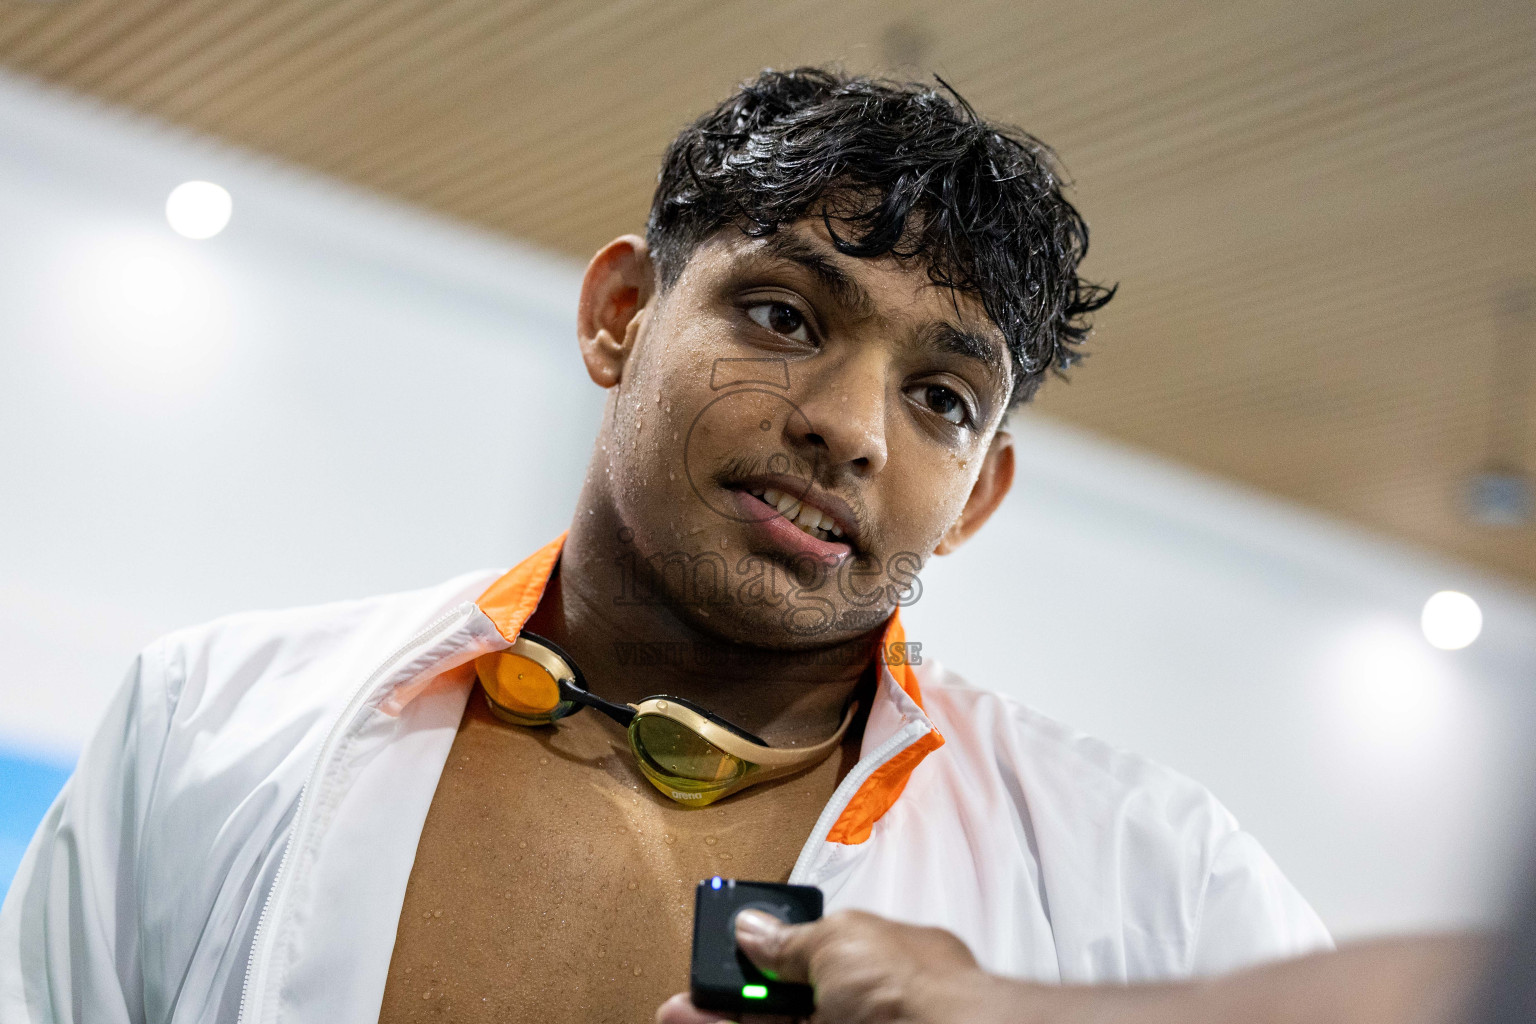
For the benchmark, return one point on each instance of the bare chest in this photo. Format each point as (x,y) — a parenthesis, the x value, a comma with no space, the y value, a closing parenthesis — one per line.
(552,883)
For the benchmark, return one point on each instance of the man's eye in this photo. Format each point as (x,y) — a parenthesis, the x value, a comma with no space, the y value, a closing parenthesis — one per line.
(945,402)
(780,318)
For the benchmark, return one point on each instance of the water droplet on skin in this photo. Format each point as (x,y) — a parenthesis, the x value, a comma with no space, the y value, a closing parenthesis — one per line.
(669,839)
(437,913)
(637,972)
(426,995)
(523,845)
(671,475)
(632,885)
(710,840)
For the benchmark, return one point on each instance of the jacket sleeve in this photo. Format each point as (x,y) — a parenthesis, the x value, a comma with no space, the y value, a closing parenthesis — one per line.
(1250,912)
(69,928)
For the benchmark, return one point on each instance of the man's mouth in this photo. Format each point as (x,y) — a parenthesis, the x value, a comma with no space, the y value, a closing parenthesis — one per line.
(807,518)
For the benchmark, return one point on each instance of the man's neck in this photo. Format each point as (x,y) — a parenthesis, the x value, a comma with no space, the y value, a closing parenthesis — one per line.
(632,650)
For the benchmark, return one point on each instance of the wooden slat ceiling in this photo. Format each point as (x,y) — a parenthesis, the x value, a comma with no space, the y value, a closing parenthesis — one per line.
(1318,211)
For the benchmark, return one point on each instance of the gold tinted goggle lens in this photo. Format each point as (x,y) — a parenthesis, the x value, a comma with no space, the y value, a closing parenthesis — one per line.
(681,763)
(521,685)
(686,753)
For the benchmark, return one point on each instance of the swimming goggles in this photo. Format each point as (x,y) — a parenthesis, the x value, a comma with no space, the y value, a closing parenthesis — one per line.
(692,756)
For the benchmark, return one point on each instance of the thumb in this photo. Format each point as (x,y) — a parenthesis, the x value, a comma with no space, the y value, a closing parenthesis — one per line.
(781,951)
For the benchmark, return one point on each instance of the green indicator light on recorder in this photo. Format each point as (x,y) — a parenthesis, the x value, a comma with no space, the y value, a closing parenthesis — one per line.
(754,991)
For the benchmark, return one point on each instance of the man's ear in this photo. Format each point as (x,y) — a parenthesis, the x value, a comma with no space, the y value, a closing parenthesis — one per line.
(991,487)
(615,292)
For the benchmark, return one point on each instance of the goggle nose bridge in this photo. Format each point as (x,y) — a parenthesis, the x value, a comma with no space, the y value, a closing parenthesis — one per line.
(575,694)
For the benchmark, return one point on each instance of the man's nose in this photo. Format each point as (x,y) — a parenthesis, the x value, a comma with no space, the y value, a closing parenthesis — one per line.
(844,419)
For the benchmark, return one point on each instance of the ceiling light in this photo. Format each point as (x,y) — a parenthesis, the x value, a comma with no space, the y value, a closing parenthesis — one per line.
(198,209)
(1451,620)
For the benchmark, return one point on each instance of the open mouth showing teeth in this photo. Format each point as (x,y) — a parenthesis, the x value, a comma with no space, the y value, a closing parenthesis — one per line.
(812,521)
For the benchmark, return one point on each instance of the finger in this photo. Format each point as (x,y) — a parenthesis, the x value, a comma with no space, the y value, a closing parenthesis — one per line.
(680,1010)
(781,951)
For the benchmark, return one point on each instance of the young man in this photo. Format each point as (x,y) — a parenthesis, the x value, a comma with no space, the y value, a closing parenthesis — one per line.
(318,815)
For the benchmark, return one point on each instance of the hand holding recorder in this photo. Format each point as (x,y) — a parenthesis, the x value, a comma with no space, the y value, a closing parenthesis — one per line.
(758,946)
(866,969)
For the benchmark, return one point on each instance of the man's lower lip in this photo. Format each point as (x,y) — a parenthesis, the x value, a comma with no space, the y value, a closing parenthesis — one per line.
(765,519)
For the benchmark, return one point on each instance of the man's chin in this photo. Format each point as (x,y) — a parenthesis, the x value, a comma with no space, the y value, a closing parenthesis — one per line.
(781,630)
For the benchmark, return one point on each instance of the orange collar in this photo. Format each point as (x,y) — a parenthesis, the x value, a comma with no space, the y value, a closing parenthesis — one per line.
(512,599)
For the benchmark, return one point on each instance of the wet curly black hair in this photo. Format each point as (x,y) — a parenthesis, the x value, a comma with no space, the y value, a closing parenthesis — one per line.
(990,218)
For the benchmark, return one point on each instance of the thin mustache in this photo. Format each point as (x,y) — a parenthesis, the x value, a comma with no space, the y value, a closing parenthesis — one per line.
(740,467)
(744,467)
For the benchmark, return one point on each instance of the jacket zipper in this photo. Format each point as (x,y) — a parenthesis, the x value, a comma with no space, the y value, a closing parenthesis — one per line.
(344,718)
(894,744)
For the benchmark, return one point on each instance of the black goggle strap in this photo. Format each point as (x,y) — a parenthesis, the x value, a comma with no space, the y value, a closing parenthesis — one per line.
(570,691)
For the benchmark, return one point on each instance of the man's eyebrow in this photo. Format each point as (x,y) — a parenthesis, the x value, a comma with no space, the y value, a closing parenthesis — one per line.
(845,290)
(949,338)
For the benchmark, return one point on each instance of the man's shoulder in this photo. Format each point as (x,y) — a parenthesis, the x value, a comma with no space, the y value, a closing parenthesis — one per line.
(1098,784)
(1193,892)
(243,702)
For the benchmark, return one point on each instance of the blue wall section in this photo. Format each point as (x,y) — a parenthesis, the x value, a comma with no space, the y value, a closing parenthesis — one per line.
(27,788)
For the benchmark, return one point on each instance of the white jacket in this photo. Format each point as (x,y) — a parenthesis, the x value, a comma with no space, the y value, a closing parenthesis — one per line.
(237,837)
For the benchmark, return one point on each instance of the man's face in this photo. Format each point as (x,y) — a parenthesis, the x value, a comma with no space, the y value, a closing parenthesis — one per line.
(793,434)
